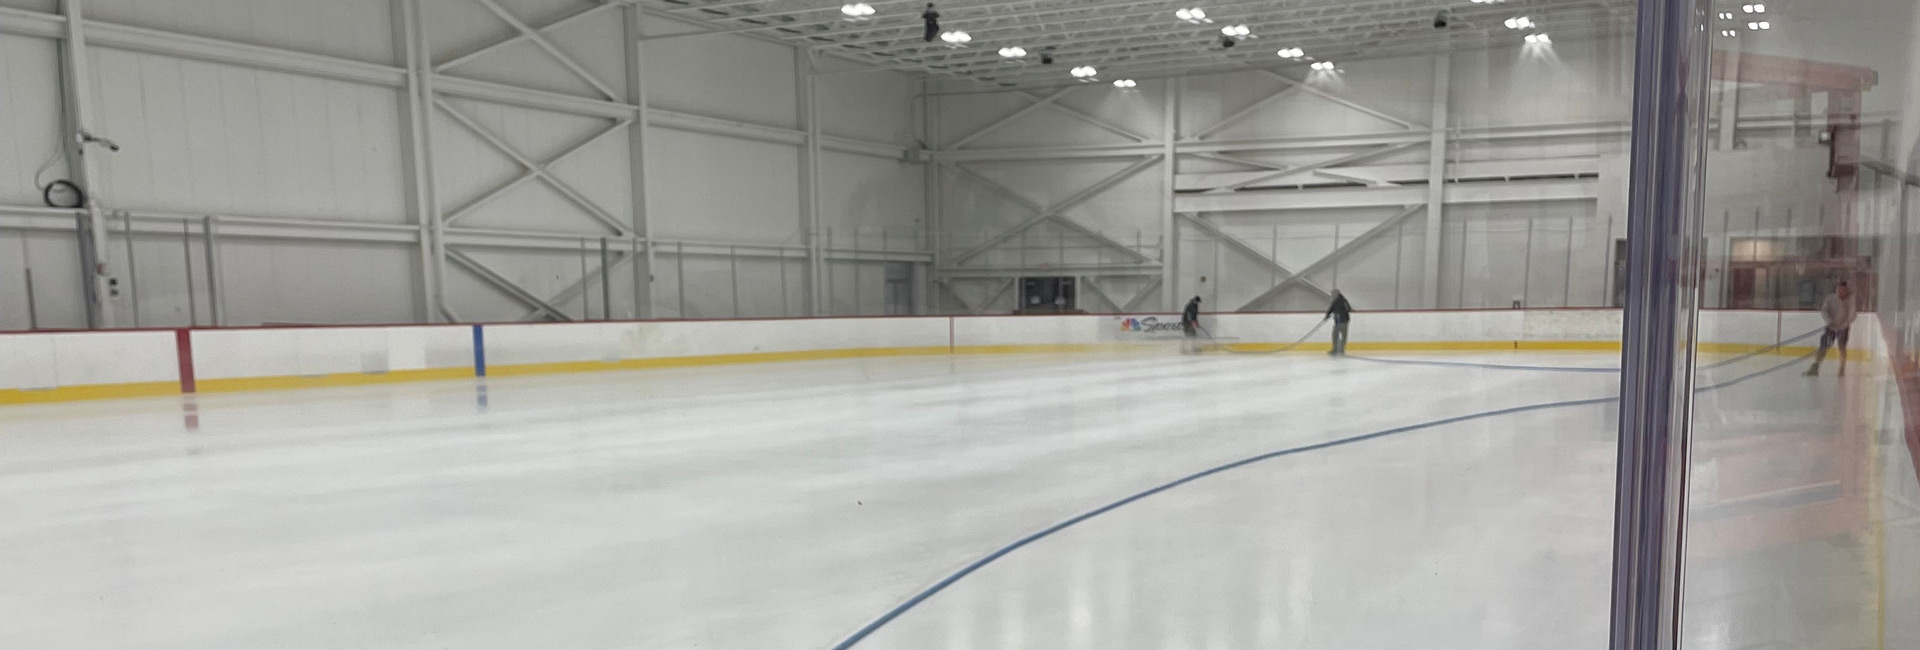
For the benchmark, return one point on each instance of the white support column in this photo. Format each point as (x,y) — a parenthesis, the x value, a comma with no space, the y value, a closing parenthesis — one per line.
(1169,170)
(1436,179)
(637,155)
(934,223)
(810,181)
(77,79)
(417,155)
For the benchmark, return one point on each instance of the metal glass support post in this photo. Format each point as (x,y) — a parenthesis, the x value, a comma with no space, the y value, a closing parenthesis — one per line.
(133,270)
(77,79)
(186,247)
(1437,181)
(216,315)
(606,281)
(1656,375)
(637,155)
(1169,172)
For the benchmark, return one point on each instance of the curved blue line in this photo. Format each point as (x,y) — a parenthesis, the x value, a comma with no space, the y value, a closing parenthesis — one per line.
(976,565)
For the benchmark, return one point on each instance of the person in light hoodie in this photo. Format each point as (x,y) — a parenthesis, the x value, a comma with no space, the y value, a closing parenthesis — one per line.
(1838,311)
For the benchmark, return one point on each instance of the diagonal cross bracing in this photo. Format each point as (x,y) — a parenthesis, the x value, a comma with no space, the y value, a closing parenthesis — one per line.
(1053,213)
(552,50)
(535,168)
(1332,162)
(1247,249)
(585,13)
(1339,252)
(528,175)
(506,286)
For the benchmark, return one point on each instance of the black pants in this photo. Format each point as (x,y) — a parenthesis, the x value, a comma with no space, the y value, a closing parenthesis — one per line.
(1340,338)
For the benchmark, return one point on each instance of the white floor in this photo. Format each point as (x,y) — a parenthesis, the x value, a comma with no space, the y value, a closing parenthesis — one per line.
(789,505)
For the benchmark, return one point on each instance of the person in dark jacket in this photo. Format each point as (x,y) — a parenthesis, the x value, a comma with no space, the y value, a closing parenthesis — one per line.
(1190,325)
(1341,312)
(932,19)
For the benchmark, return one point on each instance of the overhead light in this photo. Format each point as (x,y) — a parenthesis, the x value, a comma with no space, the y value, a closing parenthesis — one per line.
(1083,72)
(1322,65)
(1488,2)
(1726,15)
(1193,15)
(1237,31)
(1755,8)
(1124,83)
(1538,38)
(1760,26)
(1730,33)
(857,11)
(1519,22)
(1014,52)
(956,38)
(1292,53)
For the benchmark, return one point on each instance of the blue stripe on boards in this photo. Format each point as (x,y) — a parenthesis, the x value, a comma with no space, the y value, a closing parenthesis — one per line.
(479,352)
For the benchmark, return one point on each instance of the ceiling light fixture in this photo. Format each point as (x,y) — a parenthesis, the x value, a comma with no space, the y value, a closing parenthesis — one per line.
(1755,8)
(1083,73)
(1014,52)
(1237,31)
(1760,26)
(857,11)
(1539,38)
(1291,53)
(1124,83)
(1323,66)
(956,38)
(1193,15)
(1519,22)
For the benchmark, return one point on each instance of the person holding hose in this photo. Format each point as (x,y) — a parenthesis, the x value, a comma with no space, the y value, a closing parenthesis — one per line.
(1838,311)
(1342,312)
(1190,326)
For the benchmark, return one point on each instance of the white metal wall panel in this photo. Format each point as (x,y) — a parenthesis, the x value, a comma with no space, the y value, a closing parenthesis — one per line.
(353,29)
(875,106)
(873,197)
(730,77)
(316,282)
(726,189)
(199,137)
(30,122)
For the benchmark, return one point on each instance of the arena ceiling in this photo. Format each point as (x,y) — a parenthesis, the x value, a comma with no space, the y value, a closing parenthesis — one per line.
(1144,38)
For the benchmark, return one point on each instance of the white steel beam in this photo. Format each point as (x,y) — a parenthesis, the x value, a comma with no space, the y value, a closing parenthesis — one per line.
(1436,181)
(416,105)
(506,286)
(1358,197)
(1332,162)
(1024,111)
(592,209)
(1246,111)
(1417,172)
(76,79)
(1055,213)
(577,16)
(807,114)
(1145,292)
(566,60)
(544,170)
(638,142)
(1172,91)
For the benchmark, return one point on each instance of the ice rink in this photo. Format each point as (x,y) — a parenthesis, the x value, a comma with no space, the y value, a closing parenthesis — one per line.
(905,503)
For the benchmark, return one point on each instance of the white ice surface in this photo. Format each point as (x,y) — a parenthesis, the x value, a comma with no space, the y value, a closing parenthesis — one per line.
(787,505)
